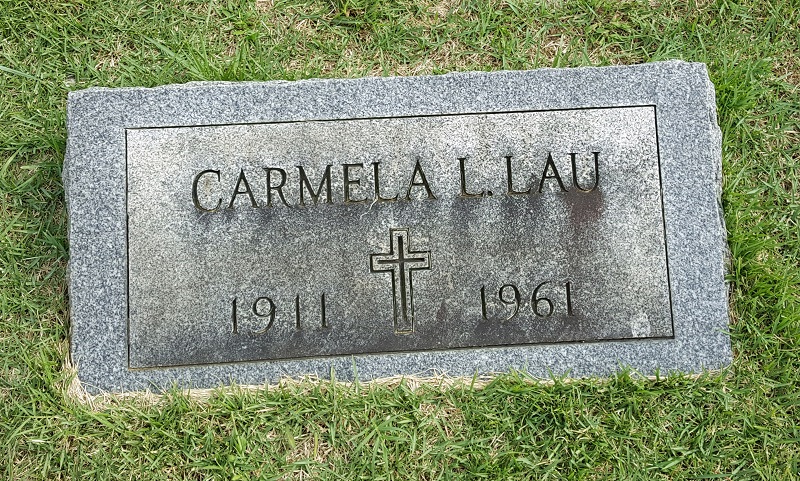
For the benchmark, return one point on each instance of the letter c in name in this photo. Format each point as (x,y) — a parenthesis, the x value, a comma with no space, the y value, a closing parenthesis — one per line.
(195,199)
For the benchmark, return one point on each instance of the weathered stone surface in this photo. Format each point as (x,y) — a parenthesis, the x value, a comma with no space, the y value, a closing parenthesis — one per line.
(560,221)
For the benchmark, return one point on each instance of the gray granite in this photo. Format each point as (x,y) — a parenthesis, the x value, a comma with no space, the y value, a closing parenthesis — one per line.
(556,221)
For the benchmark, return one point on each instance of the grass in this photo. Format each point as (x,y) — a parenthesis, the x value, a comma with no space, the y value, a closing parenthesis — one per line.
(742,423)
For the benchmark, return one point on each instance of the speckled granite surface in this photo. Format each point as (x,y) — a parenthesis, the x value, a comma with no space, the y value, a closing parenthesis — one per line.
(380,226)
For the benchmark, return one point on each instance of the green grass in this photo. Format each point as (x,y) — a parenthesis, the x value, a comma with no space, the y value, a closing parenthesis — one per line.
(743,423)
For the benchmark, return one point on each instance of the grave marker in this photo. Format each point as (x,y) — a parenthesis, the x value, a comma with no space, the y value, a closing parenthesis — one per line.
(560,221)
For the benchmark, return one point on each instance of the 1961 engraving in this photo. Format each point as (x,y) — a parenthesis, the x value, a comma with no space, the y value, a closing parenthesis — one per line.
(536,299)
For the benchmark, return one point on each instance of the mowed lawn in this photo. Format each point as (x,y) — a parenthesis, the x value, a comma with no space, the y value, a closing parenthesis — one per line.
(740,423)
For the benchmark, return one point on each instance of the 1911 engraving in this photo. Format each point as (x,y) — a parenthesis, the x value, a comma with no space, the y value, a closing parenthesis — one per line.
(264,310)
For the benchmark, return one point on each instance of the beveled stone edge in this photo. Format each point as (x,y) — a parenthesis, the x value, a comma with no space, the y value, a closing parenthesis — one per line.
(100,373)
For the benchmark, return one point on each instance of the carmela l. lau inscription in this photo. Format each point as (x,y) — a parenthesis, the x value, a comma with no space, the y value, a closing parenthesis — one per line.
(463,223)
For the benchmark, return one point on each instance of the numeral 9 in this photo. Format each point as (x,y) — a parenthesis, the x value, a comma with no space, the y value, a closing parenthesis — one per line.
(515,302)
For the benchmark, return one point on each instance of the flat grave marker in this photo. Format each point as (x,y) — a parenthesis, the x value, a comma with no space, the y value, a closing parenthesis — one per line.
(557,221)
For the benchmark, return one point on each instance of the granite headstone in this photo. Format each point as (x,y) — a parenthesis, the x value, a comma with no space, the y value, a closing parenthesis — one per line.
(556,221)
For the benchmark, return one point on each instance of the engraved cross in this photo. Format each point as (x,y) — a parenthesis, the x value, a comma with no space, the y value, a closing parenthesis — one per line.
(401,261)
